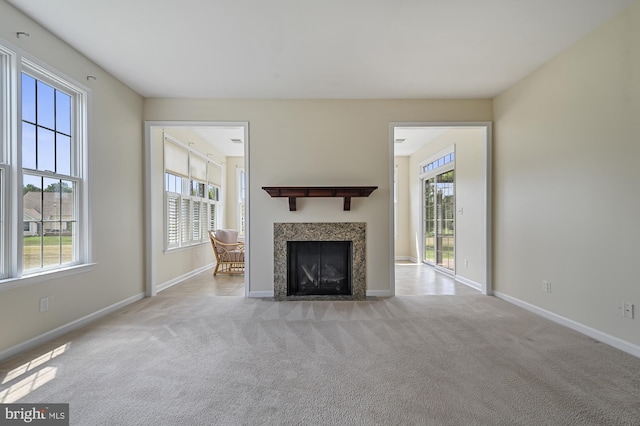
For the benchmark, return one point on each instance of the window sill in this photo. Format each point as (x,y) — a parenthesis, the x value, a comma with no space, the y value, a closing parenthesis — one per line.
(11,283)
(187,247)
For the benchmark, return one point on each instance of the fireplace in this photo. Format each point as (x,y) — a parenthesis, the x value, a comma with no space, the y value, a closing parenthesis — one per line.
(318,268)
(351,234)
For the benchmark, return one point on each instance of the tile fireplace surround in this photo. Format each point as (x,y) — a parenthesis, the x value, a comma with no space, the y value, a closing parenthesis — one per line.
(320,231)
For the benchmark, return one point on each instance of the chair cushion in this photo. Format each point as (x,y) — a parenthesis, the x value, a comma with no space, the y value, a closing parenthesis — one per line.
(227,236)
(235,256)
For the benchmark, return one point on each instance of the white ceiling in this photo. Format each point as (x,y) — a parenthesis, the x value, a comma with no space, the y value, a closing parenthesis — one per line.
(320,48)
(408,140)
(342,49)
(210,140)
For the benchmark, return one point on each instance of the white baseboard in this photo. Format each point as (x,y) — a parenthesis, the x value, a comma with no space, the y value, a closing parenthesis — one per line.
(406,259)
(617,343)
(183,277)
(469,282)
(260,294)
(64,329)
(379,293)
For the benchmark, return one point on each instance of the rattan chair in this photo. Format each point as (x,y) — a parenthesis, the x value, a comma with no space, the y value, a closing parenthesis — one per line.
(228,250)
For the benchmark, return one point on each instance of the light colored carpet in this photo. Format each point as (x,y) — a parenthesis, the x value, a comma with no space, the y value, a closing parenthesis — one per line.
(192,358)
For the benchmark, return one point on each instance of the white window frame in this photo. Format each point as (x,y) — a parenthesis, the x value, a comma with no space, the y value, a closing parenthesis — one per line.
(13,62)
(241,201)
(7,112)
(395,201)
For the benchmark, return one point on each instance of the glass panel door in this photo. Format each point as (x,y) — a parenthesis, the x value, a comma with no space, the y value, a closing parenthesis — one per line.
(429,221)
(439,220)
(445,220)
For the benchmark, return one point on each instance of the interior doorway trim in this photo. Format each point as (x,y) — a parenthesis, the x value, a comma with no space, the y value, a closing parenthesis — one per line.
(150,197)
(486,287)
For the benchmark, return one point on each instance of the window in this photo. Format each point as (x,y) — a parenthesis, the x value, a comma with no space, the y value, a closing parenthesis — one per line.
(192,188)
(432,165)
(45,135)
(49,184)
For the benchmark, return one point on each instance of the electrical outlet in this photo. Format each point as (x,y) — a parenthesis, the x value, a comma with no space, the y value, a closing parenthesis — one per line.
(466,262)
(44,304)
(627,310)
(546,286)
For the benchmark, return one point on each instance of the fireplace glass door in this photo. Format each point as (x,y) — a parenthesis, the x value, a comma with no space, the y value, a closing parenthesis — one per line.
(318,268)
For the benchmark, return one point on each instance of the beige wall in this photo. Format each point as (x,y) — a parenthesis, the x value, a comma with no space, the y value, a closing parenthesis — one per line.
(319,142)
(402,239)
(231,188)
(470,190)
(566,180)
(115,196)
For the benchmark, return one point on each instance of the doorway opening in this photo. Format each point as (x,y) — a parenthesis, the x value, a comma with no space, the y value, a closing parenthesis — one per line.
(440,206)
(196,180)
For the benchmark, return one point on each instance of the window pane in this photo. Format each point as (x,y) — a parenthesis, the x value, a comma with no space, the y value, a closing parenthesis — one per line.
(45,105)
(46,150)
(28,146)
(28,98)
(63,154)
(68,203)
(32,249)
(67,237)
(51,204)
(32,197)
(63,113)
(32,219)
(51,244)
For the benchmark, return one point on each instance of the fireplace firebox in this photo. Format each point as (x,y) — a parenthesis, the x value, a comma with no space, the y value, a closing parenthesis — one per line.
(318,268)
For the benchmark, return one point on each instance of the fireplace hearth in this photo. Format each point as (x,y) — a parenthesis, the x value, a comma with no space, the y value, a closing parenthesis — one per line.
(353,233)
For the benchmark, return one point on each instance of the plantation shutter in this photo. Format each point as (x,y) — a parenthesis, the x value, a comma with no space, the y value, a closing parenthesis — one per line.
(185,213)
(173,217)
(195,236)
(204,223)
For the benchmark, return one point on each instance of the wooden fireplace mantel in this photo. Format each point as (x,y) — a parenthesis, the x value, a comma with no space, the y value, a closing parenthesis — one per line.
(294,192)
